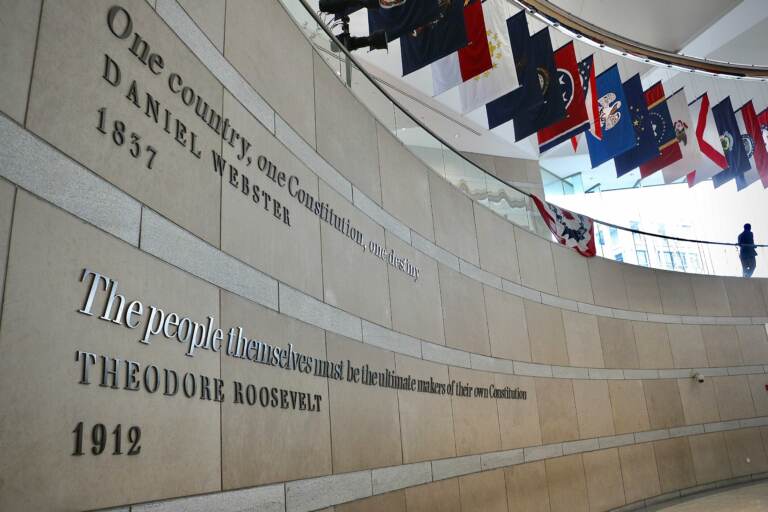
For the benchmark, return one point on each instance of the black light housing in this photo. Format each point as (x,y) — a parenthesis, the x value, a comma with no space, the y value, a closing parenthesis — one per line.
(375,41)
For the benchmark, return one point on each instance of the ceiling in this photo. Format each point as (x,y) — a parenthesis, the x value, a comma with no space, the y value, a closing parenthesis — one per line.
(663,24)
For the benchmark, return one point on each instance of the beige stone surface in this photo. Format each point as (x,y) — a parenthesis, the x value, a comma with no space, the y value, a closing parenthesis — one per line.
(665,408)
(593,408)
(496,244)
(17,49)
(582,339)
(425,440)
(417,309)
(40,334)
(676,293)
(710,296)
(618,339)
(642,289)
(389,502)
(757,385)
(68,90)
(464,318)
(354,279)
(346,131)
(746,451)
(518,419)
(653,347)
(546,333)
(365,419)
(687,344)
(722,344)
(710,457)
(673,458)
(7,195)
(567,484)
(251,30)
(209,16)
(288,253)
(507,325)
(754,343)
(265,445)
(527,488)
(744,296)
(699,401)
(734,400)
(630,413)
(537,268)
(557,410)
(639,472)
(572,274)
(604,483)
(404,184)
(454,219)
(483,492)
(608,283)
(475,420)
(442,495)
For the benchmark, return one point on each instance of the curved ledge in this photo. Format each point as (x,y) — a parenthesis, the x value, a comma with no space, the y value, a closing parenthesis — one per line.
(557,17)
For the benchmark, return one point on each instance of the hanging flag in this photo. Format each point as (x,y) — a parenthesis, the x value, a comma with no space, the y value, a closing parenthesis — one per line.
(759,133)
(663,130)
(589,84)
(571,229)
(469,61)
(738,163)
(434,40)
(402,17)
(615,119)
(528,95)
(645,142)
(691,157)
(501,78)
(553,109)
(713,159)
(750,146)
(576,119)
(384,4)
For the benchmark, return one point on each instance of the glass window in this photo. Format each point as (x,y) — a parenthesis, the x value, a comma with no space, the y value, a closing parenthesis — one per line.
(667,259)
(642,257)
(619,256)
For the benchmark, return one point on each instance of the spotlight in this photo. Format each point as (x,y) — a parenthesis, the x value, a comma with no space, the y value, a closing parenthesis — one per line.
(345,6)
(375,41)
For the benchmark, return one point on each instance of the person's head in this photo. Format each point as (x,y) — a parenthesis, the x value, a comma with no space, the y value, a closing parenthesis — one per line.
(747,227)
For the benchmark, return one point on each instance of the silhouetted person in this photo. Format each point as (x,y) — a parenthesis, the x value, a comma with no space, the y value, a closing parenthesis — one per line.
(747,251)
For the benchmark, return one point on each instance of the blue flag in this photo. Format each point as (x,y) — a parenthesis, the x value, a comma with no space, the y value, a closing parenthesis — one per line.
(730,138)
(433,41)
(552,109)
(399,20)
(528,95)
(645,143)
(615,119)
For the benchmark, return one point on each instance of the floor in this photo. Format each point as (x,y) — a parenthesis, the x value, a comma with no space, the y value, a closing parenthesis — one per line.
(748,498)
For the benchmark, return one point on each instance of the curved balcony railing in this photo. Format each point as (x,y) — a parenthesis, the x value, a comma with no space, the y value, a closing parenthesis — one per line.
(613,242)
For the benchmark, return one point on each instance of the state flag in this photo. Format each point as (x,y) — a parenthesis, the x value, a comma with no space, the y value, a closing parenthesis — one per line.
(589,84)
(713,159)
(576,119)
(402,17)
(758,131)
(750,146)
(469,61)
(645,143)
(571,229)
(730,138)
(692,158)
(552,110)
(501,78)
(529,94)
(434,40)
(663,130)
(618,135)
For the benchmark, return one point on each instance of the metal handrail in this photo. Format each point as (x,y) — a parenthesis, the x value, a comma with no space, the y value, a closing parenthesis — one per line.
(458,153)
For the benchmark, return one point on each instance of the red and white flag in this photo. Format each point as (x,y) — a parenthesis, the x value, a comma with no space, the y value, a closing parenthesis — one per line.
(468,62)
(757,132)
(571,229)
(708,140)
(589,88)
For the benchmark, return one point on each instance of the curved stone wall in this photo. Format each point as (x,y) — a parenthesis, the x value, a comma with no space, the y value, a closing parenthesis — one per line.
(603,351)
